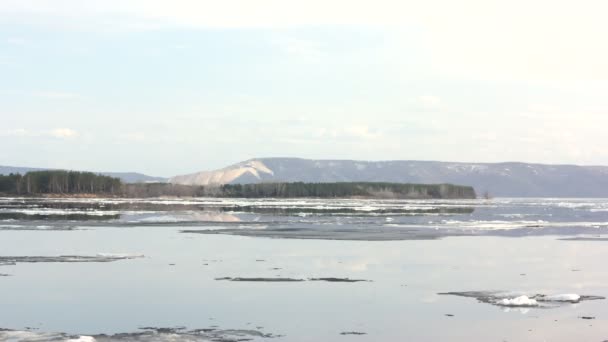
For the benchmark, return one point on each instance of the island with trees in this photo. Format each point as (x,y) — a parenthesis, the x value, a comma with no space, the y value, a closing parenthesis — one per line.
(59,182)
(73,183)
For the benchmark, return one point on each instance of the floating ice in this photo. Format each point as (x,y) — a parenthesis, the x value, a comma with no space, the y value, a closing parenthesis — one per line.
(521,309)
(506,299)
(83,339)
(162,219)
(567,297)
(262,279)
(102,257)
(343,219)
(148,334)
(518,301)
(120,255)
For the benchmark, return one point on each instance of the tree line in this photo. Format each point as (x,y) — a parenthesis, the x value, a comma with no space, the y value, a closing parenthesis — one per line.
(300,189)
(74,182)
(347,189)
(59,182)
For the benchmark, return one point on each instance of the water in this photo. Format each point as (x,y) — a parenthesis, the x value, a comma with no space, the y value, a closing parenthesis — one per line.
(410,251)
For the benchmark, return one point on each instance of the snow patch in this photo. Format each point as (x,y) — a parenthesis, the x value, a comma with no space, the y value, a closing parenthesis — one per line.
(566,297)
(120,255)
(82,339)
(224,176)
(518,301)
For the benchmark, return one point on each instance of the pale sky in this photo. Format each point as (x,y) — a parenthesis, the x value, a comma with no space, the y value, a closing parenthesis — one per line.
(172,87)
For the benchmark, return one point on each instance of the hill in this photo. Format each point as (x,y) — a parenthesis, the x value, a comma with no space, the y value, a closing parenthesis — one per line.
(510,179)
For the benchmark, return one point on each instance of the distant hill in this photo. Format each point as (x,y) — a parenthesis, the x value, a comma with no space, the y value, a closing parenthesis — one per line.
(6,170)
(135,177)
(126,177)
(510,179)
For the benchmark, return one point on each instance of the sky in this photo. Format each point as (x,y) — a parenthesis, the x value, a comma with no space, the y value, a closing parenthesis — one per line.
(173,87)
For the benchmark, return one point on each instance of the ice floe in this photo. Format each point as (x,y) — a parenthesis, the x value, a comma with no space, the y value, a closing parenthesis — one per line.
(274,280)
(510,299)
(101,257)
(518,301)
(566,297)
(146,335)
(83,339)
(310,218)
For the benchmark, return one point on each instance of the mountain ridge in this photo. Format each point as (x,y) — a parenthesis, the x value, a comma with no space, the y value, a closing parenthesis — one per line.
(504,179)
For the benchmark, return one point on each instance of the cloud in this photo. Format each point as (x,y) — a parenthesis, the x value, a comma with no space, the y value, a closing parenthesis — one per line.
(301,49)
(16,41)
(222,14)
(63,133)
(135,136)
(57,95)
(348,133)
(475,39)
(17,132)
(428,101)
(360,131)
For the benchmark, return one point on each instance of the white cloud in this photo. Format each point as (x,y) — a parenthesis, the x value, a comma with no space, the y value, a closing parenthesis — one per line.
(360,131)
(224,14)
(303,50)
(63,133)
(16,41)
(57,95)
(17,132)
(478,39)
(348,133)
(429,101)
(135,136)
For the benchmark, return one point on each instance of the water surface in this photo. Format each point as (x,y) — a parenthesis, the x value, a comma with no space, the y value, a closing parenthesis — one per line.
(159,261)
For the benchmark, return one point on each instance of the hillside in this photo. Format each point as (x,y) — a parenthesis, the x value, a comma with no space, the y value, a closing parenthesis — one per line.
(498,179)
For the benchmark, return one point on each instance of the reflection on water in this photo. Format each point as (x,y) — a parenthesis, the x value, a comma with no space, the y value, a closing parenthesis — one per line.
(143,334)
(215,210)
(175,284)
(342,219)
(10,216)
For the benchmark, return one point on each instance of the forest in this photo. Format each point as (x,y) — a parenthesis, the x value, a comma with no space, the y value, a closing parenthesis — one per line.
(59,182)
(74,183)
(347,189)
